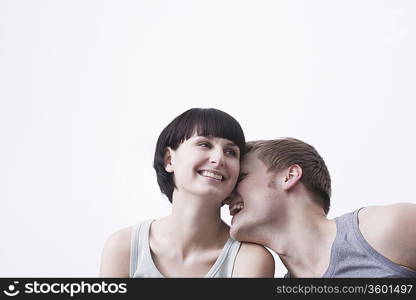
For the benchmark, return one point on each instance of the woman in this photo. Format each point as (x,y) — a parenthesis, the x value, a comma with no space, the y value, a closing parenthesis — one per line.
(197,162)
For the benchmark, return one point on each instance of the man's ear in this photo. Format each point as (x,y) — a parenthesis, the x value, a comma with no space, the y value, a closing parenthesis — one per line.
(291,176)
(167,158)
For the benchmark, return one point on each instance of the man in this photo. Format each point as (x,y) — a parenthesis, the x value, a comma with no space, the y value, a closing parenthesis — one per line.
(282,201)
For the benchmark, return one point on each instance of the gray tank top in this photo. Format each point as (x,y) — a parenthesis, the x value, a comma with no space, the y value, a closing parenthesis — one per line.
(142,264)
(352,256)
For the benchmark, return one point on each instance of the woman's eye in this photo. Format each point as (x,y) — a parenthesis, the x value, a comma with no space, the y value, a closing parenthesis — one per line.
(204,144)
(231,152)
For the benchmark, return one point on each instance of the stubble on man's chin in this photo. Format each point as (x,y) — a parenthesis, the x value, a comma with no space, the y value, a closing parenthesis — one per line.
(237,233)
(234,234)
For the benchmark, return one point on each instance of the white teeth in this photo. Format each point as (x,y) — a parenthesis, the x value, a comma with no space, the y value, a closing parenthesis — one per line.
(212,175)
(236,208)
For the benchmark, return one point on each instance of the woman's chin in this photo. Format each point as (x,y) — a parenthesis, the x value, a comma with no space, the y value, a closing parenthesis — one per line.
(213,192)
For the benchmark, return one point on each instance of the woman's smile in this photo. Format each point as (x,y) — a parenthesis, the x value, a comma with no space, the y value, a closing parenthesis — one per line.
(211,174)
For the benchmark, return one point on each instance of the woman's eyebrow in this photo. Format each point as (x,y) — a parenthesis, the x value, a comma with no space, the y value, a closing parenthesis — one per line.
(231,144)
(201,137)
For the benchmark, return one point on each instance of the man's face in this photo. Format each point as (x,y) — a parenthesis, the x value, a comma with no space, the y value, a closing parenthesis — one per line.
(254,200)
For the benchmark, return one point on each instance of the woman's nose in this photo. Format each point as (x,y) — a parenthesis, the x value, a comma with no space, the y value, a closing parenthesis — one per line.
(217,156)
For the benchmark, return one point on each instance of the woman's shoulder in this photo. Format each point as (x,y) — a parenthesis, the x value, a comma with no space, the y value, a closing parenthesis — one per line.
(115,260)
(253,260)
(256,251)
(119,238)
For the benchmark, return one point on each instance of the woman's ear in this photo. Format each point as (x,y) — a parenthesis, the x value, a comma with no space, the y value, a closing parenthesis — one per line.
(291,176)
(167,158)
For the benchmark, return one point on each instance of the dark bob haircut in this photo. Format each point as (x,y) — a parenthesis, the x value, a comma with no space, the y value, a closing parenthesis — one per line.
(208,122)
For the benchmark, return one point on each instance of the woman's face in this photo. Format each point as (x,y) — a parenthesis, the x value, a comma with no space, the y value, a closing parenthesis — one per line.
(205,166)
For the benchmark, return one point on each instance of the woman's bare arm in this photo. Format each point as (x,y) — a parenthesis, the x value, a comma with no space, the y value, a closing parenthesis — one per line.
(115,259)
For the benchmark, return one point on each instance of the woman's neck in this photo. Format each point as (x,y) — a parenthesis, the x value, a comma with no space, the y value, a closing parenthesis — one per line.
(194,223)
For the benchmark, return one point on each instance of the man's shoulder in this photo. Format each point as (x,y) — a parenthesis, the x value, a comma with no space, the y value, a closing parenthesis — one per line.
(385,222)
(389,216)
(389,229)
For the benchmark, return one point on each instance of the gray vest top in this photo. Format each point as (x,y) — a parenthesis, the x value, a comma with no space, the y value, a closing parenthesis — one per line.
(142,264)
(352,256)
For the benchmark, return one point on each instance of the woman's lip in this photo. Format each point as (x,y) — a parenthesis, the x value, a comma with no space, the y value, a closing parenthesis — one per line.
(211,178)
(214,171)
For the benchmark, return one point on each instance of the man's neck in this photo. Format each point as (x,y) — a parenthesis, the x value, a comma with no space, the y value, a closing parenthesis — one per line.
(304,243)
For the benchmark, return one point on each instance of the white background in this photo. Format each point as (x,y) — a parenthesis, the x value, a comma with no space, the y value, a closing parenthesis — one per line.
(87,86)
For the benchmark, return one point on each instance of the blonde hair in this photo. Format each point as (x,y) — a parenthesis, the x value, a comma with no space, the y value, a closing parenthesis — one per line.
(285,152)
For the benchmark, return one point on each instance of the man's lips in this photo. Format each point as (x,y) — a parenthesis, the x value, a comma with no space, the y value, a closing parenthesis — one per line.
(236,207)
